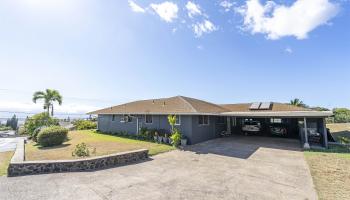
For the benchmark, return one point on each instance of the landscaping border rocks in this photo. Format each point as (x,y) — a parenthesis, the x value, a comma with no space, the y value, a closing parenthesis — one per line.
(19,167)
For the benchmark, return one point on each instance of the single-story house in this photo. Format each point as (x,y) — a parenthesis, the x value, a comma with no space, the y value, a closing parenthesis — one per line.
(200,120)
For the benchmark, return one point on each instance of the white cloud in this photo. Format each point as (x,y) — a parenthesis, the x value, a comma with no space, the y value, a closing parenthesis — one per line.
(200,47)
(166,10)
(193,9)
(278,21)
(204,27)
(136,8)
(288,50)
(226,5)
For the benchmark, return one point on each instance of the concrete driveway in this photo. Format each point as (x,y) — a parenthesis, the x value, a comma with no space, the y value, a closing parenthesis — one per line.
(226,168)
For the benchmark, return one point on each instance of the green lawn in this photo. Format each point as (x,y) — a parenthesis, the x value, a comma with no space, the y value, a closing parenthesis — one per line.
(5,158)
(104,145)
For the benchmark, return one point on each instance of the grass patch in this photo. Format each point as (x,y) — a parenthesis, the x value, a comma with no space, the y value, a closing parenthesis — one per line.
(5,158)
(104,144)
(330,171)
(330,168)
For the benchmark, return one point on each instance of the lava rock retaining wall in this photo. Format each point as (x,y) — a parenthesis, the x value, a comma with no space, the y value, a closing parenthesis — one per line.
(20,167)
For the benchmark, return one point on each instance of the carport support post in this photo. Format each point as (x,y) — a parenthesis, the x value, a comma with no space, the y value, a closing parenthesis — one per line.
(325,135)
(137,125)
(306,144)
(229,125)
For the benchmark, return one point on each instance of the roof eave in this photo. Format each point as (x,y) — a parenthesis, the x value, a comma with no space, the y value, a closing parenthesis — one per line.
(281,114)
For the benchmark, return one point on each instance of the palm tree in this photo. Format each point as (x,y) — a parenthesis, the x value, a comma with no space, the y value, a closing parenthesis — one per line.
(49,96)
(297,102)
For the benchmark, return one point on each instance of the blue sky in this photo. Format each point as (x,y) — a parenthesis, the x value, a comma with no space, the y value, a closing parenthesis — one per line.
(101,53)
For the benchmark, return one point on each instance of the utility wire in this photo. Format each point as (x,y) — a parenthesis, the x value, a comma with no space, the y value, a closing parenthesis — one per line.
(30,113)
(66,97)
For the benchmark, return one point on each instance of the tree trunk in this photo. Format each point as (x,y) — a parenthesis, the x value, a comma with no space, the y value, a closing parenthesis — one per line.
(48,109)
(51,110)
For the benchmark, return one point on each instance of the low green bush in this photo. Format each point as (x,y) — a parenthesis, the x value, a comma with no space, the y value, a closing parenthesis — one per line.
(84,124)
(52,136)
(81,150)
(5,128)
(176,138)
(21,130)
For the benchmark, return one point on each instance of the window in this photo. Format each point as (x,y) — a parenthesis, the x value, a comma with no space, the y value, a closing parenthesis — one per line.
(148,119)
(203,120)
(178,120)
(126,119)
(113,117)
(276,120)
(221,120)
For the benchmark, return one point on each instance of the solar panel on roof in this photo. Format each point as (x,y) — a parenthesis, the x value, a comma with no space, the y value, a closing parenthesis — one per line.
(255,106)
(265,105)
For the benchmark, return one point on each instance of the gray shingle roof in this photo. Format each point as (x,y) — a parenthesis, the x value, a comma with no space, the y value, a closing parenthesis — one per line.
(172,105)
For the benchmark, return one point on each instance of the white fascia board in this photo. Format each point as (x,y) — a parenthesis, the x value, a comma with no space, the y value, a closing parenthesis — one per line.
(144,113)
(280,114)
(243,114)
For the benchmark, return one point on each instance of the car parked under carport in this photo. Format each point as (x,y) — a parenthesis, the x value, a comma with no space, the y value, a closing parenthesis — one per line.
(300,123)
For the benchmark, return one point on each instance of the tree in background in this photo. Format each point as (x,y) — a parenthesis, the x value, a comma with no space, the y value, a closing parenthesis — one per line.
(297,102)
(33,124)
(341,115)
(49,96)
(318,108)
(13,122)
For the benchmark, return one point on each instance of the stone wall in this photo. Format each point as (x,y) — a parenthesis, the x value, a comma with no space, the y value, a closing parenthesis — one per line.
(20,167)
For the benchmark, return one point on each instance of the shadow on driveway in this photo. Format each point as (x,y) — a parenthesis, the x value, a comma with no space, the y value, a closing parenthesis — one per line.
(243,146)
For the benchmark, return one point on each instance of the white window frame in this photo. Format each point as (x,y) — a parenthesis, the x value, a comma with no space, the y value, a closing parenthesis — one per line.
(125,119)
(204,120)
(178,124)
(146,119)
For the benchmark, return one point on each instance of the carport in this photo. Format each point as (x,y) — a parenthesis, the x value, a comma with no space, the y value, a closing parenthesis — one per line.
(301,123)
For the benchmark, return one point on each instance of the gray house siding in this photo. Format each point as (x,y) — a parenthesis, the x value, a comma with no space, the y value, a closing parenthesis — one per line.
(189,126)
(159,122)
(105,124)
(201,133)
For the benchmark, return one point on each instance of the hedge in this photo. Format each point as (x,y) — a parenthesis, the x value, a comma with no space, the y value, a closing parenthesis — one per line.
(52,136)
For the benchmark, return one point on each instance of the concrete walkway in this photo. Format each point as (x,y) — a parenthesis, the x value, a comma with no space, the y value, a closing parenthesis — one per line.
(226,168)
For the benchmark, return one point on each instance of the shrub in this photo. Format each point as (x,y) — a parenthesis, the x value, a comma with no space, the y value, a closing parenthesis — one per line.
(344,140)
(21,130)
(81,150)
(36,132)
(51,136)
(176,138)
(5,128)
(37,121)
(143,131)
(84,124)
